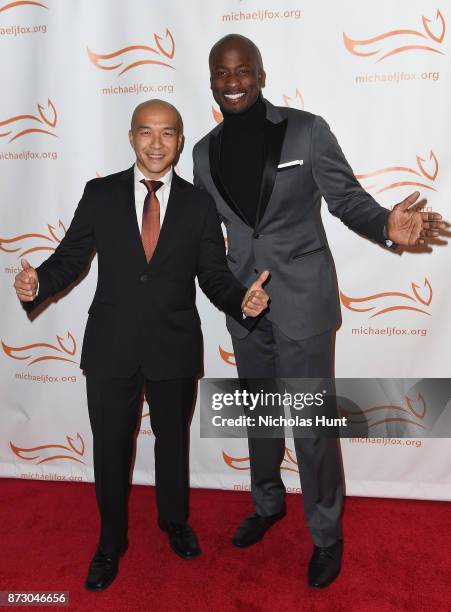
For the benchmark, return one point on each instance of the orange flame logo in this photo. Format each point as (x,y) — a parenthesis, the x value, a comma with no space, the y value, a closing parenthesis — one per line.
(297,101)
(289,463)
(16,241)
(388,44)
(34,351)
(378,415)
(229,358)
(50,118)
(71,451)
(11,5)
(217,115)
(425,169)
(380,303)
(102,60)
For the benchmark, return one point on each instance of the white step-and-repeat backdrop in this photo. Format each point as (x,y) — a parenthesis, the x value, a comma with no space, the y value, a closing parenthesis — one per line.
(72,72)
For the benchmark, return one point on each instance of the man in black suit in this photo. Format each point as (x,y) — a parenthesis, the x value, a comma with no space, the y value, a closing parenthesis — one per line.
(143,326)
(267,168)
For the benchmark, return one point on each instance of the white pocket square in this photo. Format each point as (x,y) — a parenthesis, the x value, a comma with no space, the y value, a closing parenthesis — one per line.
(295,162)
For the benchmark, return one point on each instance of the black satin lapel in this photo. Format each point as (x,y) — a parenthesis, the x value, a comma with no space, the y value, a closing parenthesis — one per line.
(214,154)
(274,136)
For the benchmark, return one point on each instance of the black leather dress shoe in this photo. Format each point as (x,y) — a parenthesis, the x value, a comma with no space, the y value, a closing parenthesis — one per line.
(254,527)
(103,569)
(325,565)
(182,539)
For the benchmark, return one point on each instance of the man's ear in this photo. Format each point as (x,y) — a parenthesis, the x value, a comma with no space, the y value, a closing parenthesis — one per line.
(261,78)
(130,138)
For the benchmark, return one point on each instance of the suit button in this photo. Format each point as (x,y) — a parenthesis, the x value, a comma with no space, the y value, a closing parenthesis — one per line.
(143,278)
(256,236)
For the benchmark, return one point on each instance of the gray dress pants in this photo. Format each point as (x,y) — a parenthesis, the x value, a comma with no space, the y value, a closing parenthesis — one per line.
(266,353)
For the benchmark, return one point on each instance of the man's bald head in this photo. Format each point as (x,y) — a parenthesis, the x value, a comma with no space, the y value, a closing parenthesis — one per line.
(231,40)
(156,105)
(156,136)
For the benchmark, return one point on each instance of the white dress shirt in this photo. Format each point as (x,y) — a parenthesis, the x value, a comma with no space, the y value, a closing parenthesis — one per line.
(141,192)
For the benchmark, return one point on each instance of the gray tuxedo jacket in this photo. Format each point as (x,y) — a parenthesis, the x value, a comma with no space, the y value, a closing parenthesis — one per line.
(303,161)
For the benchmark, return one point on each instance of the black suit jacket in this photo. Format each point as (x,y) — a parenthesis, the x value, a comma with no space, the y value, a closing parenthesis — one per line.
(143,314)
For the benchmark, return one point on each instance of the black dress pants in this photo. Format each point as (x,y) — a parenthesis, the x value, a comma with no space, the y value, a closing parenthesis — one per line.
(114,405)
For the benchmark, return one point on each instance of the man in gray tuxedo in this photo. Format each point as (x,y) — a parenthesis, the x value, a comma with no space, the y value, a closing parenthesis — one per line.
(267,168)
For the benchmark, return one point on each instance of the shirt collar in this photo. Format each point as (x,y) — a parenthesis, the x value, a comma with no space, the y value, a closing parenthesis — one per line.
(166,179)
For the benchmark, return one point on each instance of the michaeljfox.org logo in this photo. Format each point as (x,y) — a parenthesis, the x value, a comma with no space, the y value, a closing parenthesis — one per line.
(401,40)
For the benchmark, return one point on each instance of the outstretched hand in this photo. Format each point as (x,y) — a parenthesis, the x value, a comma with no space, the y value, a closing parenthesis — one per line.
(407,226)
(256,299)
(26,282)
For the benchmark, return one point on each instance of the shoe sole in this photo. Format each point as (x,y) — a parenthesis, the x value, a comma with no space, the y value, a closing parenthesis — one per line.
(97,590)
(323,586)
(247,545)
(179,554)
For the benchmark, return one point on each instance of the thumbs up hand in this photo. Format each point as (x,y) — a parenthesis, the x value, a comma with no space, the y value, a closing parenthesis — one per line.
(256,299)
(26,282)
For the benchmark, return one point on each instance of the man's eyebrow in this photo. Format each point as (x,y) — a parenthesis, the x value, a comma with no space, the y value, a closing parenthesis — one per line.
(218,66)
(149,127)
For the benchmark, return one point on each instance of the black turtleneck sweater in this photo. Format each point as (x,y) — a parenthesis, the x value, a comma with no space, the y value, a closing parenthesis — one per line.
(241,158)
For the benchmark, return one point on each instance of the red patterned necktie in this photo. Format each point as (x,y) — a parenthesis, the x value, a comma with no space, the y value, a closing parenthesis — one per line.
(150,228)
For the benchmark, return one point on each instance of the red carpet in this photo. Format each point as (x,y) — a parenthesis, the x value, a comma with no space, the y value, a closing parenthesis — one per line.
(397,554)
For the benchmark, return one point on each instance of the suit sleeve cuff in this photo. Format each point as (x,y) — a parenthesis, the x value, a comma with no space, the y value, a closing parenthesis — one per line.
(388,243)
(44,290)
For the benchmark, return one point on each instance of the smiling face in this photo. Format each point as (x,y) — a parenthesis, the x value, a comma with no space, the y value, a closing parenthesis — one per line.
(236,74)
(156,137)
